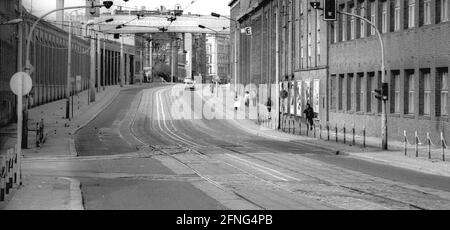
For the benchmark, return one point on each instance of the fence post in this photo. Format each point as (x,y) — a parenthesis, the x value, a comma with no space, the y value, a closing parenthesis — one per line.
(293,126)
(300,126)
(364,137)
(320,133)
(345,135)
(336,129)
(429,145)
(7,173)
(405,144)
(38,135)
(2,179)
(328,130)
(417,145)
(315,133)
(289,130)
(443,146)
(354,134)
(307,128)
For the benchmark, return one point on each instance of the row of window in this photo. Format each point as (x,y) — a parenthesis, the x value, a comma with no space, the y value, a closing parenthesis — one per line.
(387,17)
(411,87)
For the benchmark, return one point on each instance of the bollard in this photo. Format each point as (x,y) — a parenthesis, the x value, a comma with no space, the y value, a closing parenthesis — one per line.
(300,126)
(429,145)
(293,127)
(320,133)
(38,129)
(364,137)
(14,166)
(307,129)
(328,131)
(345,135)
(417,145)
(444,146)
(289,126)
(314,126)
(6,178)
(337,138)
(354,135)
(11,168)
(405,144)
(2,179)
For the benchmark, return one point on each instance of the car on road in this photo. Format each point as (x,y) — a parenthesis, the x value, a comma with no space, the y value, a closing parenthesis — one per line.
(189,84)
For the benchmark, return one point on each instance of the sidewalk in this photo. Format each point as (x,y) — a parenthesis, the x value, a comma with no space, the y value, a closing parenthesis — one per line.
(395,156)
(54,193)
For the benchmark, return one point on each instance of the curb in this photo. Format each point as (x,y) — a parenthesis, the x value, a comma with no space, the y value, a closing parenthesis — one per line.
(72,148)
(76,198)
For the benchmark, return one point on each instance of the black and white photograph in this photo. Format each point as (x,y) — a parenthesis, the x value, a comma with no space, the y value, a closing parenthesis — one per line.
(238,108)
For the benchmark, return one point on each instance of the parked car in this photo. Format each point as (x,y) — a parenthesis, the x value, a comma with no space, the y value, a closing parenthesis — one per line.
(189,84)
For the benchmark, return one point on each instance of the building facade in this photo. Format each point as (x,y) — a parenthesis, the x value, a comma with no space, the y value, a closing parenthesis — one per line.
(302,56)
(336,66)
(416,34)
(218,57)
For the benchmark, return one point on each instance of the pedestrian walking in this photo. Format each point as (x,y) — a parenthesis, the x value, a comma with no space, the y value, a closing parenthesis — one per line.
(309,112)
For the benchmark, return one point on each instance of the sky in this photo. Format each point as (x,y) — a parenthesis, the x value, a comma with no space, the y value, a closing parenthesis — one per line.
(204,7)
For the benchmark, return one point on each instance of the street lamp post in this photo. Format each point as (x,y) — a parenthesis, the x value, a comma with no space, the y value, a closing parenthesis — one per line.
(237,32)
(384,125)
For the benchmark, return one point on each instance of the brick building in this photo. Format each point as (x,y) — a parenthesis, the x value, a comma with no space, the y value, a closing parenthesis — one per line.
(341,85)
(8,59)
(302,52)
(417,38)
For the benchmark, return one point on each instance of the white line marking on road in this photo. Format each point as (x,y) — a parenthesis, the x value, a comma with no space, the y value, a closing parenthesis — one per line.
(263,168)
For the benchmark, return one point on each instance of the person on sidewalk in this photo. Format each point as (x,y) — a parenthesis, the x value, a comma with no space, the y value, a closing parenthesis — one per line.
(247,98)
(309,112)
(237,104)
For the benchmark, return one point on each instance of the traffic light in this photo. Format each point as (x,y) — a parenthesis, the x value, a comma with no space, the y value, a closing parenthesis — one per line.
(379,94)
(330,13)
(383,93)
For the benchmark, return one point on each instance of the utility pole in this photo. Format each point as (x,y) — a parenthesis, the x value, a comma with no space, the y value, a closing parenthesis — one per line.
(384,124)
(20,127)
(122,64)
(69,70)
(93,70)
(277,65)
(330,12)
(99,63)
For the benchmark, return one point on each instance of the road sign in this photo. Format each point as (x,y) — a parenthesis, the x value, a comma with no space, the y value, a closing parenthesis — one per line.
(27,83)
(247,30)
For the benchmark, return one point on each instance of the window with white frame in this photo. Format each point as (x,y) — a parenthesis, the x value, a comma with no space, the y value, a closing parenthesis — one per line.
(384,17)
(318,36)
(373,13)
(362,23)
(397,15)
(336,31)
(344,27)
(426,78)
(444,93)
(309,50)
(411,94)
(396,95)
(444,11)
(352,24)
(411,13)
(427,12)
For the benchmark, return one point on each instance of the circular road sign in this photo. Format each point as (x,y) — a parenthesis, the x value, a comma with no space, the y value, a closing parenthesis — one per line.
(27,83)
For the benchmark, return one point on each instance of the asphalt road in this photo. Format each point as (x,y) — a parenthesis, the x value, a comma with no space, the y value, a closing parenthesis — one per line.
(214,164)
